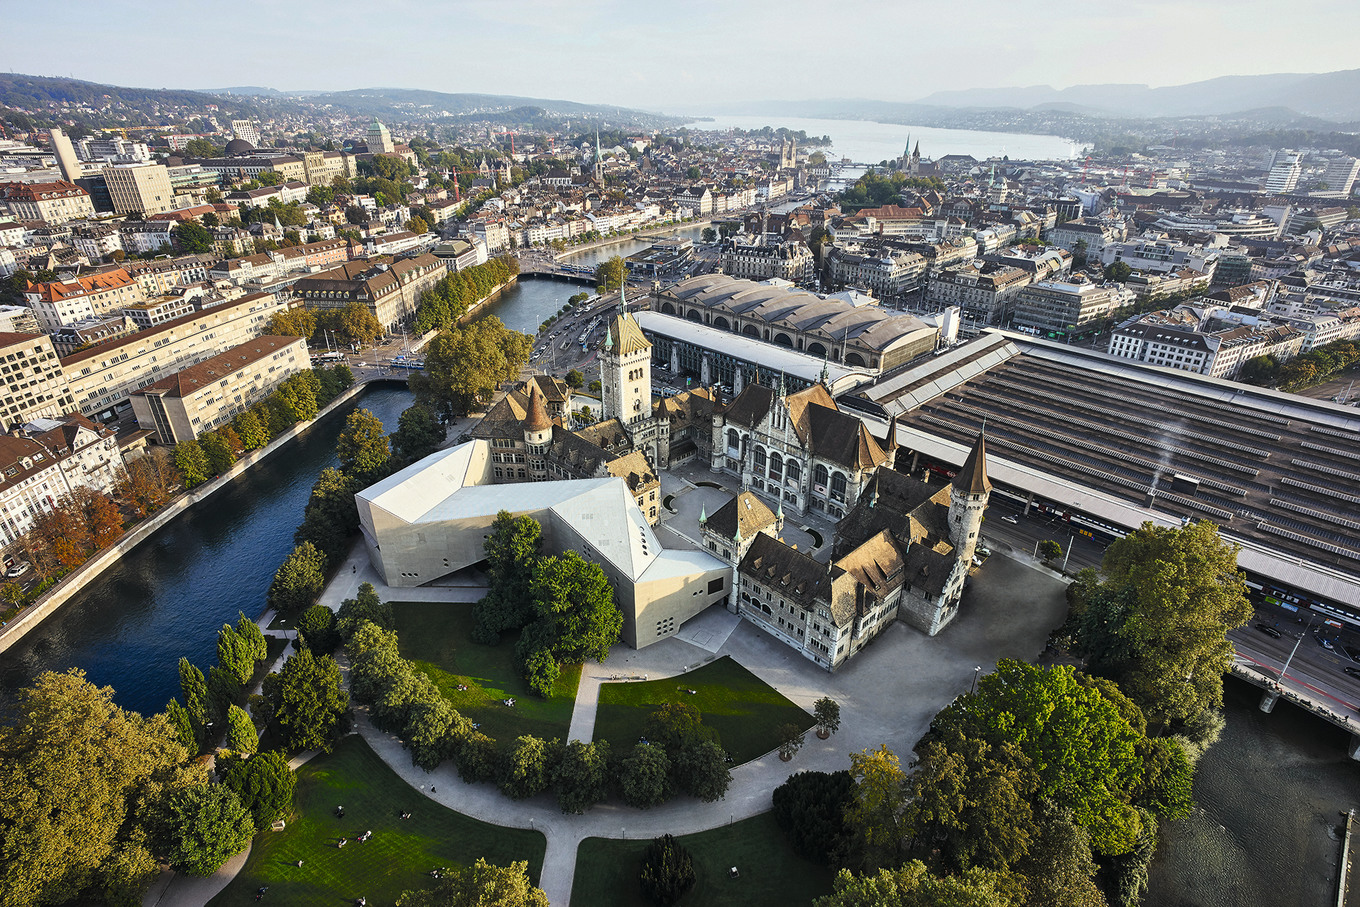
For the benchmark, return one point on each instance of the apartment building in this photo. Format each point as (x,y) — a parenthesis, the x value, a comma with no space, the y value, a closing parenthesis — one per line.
(163,275)
(390,289)
(50,459)
(158,311)
(51,203)
(89,331)
(101,378)
(63,302)
(139,188)
(791,261)
(886,272)
(984,291)
(1065,311)
(202,397)
(18,319)
(1201,341)
(95,241)
(32,381)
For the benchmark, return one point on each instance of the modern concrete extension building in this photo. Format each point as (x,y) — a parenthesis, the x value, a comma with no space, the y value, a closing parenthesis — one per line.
(431,519)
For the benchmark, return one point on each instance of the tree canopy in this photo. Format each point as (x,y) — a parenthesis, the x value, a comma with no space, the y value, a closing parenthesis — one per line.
(465,365)
(610,274)
(480,885)
(1158,621)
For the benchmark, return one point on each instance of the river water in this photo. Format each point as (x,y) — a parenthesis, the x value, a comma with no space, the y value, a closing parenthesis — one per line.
(168,597)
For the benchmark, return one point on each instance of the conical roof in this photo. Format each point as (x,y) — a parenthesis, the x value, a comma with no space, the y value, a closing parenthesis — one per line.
(537,419)
(972,477)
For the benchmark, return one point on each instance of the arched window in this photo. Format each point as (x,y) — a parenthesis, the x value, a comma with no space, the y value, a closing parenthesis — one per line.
(760,459)
(733,440)
(838,486)
(792,472)
(776,466)
(820,477)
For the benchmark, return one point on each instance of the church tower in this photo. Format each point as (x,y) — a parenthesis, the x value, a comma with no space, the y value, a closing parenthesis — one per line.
(599,160)
(968,496)
(626,370)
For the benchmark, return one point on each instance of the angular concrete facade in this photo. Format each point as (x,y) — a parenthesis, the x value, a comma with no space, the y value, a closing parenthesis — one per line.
(432,518)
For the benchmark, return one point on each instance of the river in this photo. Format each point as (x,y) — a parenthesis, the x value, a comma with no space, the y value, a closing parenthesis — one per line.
(168,597)
(864,141)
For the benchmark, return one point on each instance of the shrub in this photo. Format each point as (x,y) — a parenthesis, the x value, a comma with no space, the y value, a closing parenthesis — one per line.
(667,872)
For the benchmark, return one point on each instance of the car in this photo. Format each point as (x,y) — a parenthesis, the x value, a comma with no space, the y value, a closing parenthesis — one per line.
(1325,643)
(1268,630)
(1010,519)
(1354,672)
(18,569)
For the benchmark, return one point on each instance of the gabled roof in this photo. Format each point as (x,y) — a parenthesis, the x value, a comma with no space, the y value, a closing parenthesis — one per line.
(796,575)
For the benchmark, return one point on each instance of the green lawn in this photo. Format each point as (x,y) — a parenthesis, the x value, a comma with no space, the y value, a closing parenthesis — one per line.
(438,637)
(745,710)
(400,854)
(771,873)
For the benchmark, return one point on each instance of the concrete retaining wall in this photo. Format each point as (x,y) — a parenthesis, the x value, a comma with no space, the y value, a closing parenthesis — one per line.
(89,571)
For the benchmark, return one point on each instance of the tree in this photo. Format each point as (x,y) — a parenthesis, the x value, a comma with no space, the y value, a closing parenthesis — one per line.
(512,554)
(791,739)
(252,637)
(264,784)
(913,886)
(103,522)
(191,462)
(1081,750)
(1050,550)
(192,238)
(610,274)
(527,768)
(667,873)
(1118,271)
(294,400)
(253,435)
(1079,253)
(72,769)
(676,725)
(700,770)
(330,517)
(575,607)
(197,829)
(541,670)
(201,148)
(582,777)
(316,630)
(1059,868)
(827,713)
(810,809)
(294,322)
(197,704)
(876,811)
(299,580)
(644,776)
(235,655)
(694,172)
(418,434)
(184,727)
(417,225)
(464,365)
(365,607)
(1158,622)
(308,702)
(241,734)
(709,235)
(431,725)
(480,885)
(362,446)
(575,379)
(148,482)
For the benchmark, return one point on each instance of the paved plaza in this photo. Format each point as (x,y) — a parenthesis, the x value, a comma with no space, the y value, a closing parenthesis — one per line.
(888,694)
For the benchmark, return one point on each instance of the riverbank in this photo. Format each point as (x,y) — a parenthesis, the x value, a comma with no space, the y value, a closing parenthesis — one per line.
(75,581)
(477,306)
(630,237)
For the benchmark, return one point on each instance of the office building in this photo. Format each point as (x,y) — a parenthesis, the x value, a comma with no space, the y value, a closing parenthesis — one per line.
(206,396)
(140,188)
(1284,173)
(65,153)
(32,381)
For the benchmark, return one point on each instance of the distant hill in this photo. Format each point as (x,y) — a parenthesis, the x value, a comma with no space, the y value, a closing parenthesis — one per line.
(120,106)
(1333,96)
(386,101)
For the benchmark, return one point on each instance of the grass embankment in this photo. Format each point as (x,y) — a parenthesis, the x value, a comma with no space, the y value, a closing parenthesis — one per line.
(744,710)
(437,636)
(400,854)
(770,872)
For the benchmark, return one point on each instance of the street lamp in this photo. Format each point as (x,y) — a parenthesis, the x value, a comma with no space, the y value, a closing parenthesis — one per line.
(1297,641)
(977,672)
(1069,552)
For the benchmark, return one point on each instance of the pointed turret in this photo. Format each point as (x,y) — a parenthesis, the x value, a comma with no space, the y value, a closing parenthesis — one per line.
(891,441)
(703,514)
(537,420)
(972,477)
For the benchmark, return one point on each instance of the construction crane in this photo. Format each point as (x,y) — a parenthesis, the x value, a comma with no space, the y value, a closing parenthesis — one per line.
(457,193)
(1084,168)
(512,141)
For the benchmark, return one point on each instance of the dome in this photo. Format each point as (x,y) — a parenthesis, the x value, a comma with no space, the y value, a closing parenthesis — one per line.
(239,146)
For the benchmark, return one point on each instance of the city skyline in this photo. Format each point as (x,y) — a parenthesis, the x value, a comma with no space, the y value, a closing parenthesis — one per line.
(661,59)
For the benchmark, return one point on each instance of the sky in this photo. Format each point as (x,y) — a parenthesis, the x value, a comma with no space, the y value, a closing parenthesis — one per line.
(674,57)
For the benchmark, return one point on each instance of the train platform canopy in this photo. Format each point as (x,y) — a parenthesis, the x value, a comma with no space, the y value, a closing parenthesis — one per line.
(1122,443)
